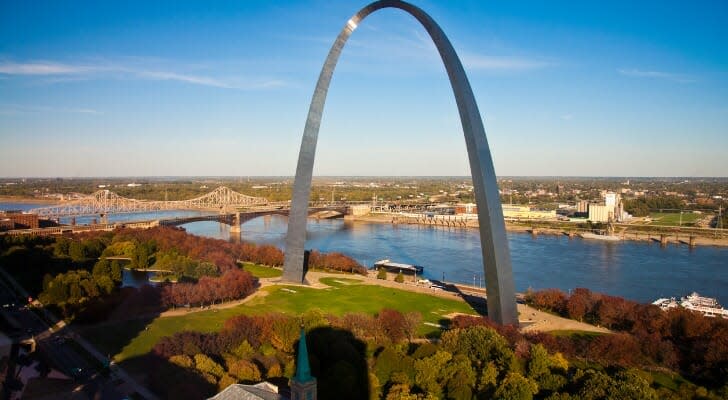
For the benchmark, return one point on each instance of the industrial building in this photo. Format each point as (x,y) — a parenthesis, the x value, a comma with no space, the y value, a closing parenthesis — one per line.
(525,212)
(20,220)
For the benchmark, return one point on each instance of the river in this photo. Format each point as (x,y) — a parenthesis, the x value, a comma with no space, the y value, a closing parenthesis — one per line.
(640,271)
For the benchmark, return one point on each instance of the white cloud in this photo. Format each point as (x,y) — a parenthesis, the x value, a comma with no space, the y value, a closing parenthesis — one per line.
(14,109)
(503,63)
(60,72)
(40,68)
(674,77)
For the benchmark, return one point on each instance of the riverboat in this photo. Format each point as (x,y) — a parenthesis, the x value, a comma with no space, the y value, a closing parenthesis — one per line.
(708,306)
(398,267)
(595,236)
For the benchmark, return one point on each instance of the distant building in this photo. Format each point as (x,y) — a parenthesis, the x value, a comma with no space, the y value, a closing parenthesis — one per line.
(582,206)
(466,208)
(21,220)
(360,209)
(600,213)
(6,224)
(525,212)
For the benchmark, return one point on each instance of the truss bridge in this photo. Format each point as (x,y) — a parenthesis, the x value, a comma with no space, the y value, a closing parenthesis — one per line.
(237,218)
(104,202)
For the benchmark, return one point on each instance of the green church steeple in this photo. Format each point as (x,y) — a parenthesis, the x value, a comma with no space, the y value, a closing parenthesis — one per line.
(303,368)
(303,384)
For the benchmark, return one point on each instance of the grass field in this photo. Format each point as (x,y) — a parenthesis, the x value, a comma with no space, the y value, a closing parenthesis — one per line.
(130,339)
(673,219)
(261,271)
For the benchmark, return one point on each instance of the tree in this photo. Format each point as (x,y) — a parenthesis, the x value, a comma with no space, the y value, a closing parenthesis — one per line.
(207,365)
(245,371)
(382,274)
(182,360)
(460,378)
(101,268)
(116,272)
(399,278)
(430,373)
(516,387)
(488,379)
(481,344)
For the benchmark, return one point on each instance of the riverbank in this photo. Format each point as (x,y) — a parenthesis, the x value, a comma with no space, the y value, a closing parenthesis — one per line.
(657,237)
(27,200)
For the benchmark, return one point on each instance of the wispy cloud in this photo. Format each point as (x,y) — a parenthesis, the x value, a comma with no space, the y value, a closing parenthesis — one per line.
(503,63)
(670,76)
(15,109)
(64,72)
(40,68)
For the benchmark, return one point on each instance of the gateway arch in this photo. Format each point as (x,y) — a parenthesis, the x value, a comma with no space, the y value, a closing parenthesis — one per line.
(496,255)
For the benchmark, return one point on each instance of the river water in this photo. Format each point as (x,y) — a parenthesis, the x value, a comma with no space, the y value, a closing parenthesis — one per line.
(640,271)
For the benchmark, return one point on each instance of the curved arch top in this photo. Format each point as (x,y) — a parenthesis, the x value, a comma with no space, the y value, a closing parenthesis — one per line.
(496,255)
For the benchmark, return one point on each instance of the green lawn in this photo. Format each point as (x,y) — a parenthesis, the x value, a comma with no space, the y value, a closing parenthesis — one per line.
(345,295)
(673,219)
(262,271)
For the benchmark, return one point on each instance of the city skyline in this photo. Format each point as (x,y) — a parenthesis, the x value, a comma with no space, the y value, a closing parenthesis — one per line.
(188,91)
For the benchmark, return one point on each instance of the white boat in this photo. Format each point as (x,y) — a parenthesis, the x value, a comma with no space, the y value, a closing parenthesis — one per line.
(708,306)
(609,238)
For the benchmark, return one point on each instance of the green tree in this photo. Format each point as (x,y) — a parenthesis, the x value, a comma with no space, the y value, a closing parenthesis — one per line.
(77,251)
(488,379)
(399,278)
(516,387)
(207,365)
(431,374)
(105,284)
(382,274)
(102,268)
(481,344)
(460,378)
(116,271)
(142,254)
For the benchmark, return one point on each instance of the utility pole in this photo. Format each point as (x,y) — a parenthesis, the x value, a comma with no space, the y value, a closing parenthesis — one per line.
(719,223)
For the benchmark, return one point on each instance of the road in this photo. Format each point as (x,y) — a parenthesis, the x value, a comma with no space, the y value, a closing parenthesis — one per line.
(63,348)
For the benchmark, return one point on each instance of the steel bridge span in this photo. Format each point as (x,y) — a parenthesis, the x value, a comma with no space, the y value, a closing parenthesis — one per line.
(233,219)
(107,202)
(237,218)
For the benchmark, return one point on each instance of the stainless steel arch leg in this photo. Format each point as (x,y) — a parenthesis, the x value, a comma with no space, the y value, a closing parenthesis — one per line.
(496,255)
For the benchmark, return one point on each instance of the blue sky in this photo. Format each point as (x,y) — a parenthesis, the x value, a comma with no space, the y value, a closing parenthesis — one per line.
(223,88)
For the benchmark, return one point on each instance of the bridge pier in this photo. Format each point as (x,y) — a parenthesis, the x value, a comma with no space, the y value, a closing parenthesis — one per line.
(235,227)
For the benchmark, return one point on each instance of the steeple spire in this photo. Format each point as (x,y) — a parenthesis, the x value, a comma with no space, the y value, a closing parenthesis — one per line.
(303,368)
(303,384)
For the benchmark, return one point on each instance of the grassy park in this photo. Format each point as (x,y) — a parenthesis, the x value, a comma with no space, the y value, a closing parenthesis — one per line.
(262,271)
(130,339)
(673,219)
